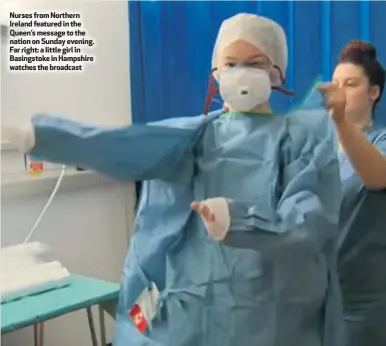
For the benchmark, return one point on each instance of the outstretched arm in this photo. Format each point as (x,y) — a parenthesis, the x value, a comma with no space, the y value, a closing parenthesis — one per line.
(135,152)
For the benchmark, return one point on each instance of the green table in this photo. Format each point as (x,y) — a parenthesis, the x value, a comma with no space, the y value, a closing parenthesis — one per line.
(81,293)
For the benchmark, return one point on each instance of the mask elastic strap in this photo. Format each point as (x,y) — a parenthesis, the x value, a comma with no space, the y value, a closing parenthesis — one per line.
(283,91)
(283,80)
(212,90)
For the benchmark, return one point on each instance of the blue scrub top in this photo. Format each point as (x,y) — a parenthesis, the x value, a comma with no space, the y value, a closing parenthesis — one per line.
(362,254)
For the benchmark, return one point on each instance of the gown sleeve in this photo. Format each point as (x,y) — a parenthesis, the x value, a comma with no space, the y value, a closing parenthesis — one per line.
(136,152)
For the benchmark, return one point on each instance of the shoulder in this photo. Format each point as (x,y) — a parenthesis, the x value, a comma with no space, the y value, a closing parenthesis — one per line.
(377,133)
(188,122)
(308,128)
(316,123)
(311,137)
(377,136)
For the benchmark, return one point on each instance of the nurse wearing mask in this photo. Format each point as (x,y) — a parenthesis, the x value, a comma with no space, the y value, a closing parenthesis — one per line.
(357,87)
(267,274)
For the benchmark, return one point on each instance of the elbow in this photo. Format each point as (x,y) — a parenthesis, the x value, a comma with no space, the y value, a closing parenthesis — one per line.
(375,185)
(375,179)
(376,182)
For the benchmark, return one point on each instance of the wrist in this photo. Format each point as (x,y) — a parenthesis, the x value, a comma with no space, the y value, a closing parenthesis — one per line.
(338,116)
(341,123)
(346,132)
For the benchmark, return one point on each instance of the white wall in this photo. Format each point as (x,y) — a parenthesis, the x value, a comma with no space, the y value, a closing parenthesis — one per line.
(88,228)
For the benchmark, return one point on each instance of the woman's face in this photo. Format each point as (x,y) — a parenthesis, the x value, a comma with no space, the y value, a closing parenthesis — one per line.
(242,52)
(360,95)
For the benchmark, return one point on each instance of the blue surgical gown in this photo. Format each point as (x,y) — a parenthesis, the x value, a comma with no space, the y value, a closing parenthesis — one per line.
(362,254)
(273,282)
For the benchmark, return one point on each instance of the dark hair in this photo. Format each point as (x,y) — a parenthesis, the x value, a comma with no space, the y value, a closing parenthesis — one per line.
(364,54)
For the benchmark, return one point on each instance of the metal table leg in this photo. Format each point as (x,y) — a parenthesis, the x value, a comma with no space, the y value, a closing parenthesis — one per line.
(102,326)
(39,334)
(92,327)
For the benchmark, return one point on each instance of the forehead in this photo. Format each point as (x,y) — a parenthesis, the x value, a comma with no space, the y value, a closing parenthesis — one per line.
(347,71)
(241,50)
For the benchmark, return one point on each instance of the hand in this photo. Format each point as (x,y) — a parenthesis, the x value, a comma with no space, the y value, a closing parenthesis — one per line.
(215,215)
(204,210)
(23,136)
(334,100)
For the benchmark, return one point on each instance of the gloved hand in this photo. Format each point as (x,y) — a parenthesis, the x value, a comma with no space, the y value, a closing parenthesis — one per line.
(215,215)
(23,136)
(204,210)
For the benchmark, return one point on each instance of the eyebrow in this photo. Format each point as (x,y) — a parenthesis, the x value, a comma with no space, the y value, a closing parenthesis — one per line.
(347,79)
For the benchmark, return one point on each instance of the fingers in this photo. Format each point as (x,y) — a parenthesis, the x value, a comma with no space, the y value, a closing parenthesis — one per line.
(206,213)
(327,87)
(195,206)
(334,99)
(204,210)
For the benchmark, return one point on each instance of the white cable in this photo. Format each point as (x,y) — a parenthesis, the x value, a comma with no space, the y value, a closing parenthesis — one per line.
(55,190)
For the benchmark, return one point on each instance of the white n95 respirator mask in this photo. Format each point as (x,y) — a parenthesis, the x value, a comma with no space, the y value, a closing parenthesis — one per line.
(244,88)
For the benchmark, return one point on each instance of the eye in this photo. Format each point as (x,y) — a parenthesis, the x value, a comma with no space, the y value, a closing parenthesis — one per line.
(351,83)
(257,64)
(230,64)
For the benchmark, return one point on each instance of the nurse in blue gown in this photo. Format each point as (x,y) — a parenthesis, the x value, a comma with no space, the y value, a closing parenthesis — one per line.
(358,83)
(263,271)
